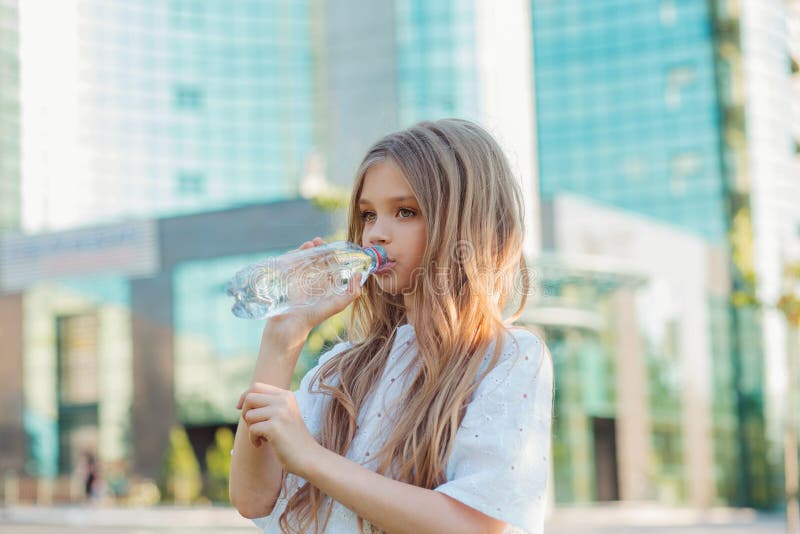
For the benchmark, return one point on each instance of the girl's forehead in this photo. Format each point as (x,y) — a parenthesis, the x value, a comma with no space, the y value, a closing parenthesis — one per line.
(384,180)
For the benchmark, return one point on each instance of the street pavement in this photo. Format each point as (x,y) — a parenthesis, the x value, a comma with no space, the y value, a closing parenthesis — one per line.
(627,519)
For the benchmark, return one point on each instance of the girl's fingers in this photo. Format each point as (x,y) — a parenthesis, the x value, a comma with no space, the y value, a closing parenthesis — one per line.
(242,397)
(355,282)
(317,241)
(256,400)
(256,415)
(344,298)
(352,284)
(259,433)
(256,440)
(261,388)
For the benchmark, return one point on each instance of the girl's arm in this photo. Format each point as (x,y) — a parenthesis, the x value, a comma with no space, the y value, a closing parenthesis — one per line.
(393,506)
(399,507)
(256,473)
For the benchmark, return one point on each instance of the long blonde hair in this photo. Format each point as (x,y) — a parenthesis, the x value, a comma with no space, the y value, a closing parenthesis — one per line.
(473,261)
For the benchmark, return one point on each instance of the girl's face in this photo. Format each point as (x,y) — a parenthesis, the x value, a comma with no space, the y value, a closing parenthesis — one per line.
(392,218)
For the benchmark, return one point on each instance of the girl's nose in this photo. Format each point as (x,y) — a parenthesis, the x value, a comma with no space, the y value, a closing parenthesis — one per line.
(377,234)
(377,239)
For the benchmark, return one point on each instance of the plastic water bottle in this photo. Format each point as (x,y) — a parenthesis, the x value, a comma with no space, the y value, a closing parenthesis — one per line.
(301,278)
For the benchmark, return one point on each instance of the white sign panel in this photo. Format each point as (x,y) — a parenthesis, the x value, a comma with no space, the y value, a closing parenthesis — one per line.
(127,249)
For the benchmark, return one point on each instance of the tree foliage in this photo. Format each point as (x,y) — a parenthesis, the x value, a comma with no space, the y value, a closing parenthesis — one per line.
(218,464)
(181,479)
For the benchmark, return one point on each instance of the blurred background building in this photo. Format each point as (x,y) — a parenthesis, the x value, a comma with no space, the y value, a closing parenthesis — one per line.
(11,442)
(681,111)
(150,149)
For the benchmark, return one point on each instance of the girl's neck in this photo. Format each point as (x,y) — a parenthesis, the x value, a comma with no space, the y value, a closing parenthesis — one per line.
(410,310)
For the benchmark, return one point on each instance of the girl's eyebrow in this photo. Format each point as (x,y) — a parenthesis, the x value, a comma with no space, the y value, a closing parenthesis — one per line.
(393,199)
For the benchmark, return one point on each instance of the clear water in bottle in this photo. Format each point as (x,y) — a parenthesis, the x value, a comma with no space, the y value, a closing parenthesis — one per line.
(300,278)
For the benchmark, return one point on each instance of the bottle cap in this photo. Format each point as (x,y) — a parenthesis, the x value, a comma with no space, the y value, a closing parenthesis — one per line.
(379,254)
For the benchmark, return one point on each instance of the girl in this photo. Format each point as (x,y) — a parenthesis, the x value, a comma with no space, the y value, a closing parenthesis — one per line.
(435,415)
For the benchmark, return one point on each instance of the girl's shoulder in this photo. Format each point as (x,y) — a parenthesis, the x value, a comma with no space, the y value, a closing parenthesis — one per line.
(523,358)
(519,342)
(523,335)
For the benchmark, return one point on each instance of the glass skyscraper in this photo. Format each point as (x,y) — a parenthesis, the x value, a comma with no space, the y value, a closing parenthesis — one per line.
(626,107)
(437,71)
(671,109)
(164,108)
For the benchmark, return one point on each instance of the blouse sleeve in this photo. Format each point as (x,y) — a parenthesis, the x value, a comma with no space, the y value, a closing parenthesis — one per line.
(499,463)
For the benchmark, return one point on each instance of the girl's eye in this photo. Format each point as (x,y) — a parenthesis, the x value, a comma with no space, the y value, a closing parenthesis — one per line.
(367,216)
(405,213)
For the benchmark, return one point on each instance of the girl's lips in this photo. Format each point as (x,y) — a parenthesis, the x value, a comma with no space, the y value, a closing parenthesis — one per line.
(386,266)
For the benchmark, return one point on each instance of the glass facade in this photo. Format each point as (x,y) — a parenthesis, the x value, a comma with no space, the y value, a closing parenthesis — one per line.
(626,108)
(9,117)
(636,108)
(185,107)
(584,372)
(436,60)
(214,351)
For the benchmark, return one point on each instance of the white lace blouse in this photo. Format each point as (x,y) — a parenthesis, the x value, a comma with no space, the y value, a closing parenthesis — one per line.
(499,462)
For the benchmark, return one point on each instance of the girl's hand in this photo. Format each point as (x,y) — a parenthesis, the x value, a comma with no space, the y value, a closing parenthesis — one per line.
(307,317)
(272,415)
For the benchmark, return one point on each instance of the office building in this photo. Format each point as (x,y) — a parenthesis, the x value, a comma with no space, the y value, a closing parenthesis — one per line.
(677,111)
